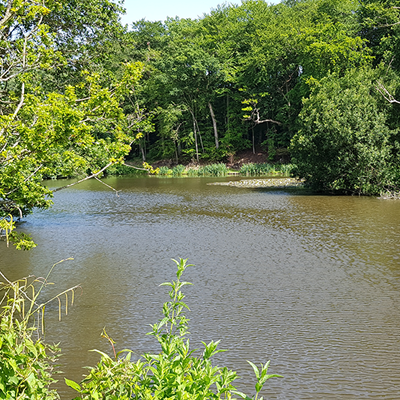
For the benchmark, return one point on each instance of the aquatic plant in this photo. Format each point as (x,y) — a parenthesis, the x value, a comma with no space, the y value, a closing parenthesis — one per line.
(178,170)
(219,169)
(164,171)
(265,169)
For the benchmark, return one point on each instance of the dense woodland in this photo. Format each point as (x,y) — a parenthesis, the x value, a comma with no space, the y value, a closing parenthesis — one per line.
(314,81)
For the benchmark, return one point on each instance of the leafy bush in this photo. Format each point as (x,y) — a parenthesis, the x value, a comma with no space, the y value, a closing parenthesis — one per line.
(346,141)
(175,373)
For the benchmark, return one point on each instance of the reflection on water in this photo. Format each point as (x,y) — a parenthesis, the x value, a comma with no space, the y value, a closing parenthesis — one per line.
(310,282)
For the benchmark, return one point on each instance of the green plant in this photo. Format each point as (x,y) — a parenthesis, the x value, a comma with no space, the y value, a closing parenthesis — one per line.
(174,373)
(285,169)
(164,171)
(178,170)
(26,362)
(347,141)
(21,240)
(257,169)
(193,172)
(265,169)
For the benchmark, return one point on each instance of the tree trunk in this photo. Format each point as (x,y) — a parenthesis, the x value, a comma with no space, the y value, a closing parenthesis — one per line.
(227,111)
(201,140)
(195,138)
(143,153)
(214,125)
(252,134)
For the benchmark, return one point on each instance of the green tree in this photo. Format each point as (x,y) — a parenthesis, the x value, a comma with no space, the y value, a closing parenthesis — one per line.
(80,129)
(345,142)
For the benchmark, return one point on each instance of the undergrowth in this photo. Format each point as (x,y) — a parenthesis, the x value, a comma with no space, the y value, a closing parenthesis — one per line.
(26,361)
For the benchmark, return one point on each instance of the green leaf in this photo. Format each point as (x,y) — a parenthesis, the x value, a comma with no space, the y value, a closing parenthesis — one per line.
(256,371)
(72,385)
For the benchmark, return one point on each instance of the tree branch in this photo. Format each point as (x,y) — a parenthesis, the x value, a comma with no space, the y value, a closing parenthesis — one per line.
(385,93)
(105,184)
(84,179)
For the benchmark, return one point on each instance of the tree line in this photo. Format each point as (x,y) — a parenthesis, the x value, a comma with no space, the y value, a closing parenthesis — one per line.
(316,78)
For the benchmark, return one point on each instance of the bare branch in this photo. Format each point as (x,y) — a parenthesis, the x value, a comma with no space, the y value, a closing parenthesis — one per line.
(105,184)
(385,93)
(84,179)
(269,120)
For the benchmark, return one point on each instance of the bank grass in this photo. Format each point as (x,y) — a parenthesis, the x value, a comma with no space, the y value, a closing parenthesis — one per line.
(253,169)
(175,372)
(220,170)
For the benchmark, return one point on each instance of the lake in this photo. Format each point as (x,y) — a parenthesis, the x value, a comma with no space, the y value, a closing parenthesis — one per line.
(307,281)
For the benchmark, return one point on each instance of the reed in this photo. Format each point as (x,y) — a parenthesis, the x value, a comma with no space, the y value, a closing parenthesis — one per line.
(26,361)
(265,169)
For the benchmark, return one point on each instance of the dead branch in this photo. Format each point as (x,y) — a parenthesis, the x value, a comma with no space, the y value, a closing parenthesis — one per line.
(385,93)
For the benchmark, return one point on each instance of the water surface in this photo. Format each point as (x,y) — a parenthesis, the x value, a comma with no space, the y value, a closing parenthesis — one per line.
(310,282)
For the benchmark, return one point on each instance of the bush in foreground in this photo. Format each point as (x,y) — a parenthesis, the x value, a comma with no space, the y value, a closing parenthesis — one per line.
(175,373)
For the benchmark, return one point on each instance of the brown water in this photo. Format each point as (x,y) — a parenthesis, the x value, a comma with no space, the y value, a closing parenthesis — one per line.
(310,282)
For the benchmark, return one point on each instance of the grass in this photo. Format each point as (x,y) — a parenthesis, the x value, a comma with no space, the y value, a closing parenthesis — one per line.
(265,169)
(220,169)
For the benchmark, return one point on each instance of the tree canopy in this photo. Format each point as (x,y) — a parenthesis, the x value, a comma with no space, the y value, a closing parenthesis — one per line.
(57,118)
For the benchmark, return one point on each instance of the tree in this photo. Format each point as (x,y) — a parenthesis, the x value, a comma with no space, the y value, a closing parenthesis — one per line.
(346,142)
(80,129)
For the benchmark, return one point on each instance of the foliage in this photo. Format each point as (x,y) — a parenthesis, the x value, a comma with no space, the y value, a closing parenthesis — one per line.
(74,127)
(235,78)
(213,170)
(174,373)
(346,142)
(178,170)
(26,362)
(164,171)
(21,240)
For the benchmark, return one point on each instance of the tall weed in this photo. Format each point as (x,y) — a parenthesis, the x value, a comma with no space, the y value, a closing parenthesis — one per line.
(26,362)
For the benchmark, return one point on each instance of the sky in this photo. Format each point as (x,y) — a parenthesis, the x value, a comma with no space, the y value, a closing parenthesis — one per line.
(156,10)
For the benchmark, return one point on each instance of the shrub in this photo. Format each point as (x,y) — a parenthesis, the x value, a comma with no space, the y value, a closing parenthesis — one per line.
(175,373)
(346,141)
